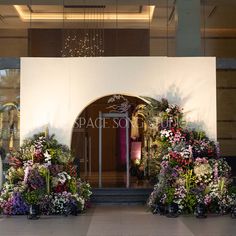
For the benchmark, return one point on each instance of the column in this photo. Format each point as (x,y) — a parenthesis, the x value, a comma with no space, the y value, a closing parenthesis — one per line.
(188,35)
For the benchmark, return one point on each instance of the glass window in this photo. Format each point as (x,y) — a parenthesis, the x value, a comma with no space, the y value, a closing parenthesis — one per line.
(9,110)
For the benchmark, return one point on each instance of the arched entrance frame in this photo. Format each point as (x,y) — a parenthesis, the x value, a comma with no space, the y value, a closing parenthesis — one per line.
(91,102)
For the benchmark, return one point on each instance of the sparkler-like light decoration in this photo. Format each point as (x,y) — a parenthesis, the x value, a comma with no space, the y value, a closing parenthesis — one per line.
(83,44)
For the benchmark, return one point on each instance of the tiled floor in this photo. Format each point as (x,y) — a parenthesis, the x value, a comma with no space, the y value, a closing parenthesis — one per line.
(118,221)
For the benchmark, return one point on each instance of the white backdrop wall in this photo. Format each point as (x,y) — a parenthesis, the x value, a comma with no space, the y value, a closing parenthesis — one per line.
(54,91)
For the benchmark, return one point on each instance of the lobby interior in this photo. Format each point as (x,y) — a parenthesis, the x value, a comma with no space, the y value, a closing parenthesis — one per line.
(116,28)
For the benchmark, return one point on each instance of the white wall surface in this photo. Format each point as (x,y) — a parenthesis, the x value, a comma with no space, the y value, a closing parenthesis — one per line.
(54,91)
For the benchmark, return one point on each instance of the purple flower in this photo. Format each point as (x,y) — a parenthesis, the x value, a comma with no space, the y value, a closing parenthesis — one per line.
(19,207)
(35,180)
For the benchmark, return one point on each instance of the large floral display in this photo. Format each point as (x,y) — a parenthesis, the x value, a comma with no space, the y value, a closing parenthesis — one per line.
(42,174)
(191,173)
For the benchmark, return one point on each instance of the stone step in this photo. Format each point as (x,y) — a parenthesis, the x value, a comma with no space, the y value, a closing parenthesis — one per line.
(120,196)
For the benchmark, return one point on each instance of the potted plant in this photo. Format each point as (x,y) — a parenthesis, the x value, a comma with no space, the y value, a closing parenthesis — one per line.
(232,193)
(172,208)
(201,210)
(159,208)
(233,212)
(77,205)
(32,198)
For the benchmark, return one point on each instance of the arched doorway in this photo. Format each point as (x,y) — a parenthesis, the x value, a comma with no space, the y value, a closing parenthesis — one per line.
(107,141)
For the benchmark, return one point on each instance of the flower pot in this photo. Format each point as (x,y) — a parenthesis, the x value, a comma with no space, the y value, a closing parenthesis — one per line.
(159,209)
(33,212)
(233,212)
(200,210)
(172,210)
(74,210)
(224,210)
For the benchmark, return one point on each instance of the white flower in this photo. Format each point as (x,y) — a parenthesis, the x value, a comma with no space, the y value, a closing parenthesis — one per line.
(47,164)
(47,156)
(63,176)
(202,170)
(54,181)
(166,133)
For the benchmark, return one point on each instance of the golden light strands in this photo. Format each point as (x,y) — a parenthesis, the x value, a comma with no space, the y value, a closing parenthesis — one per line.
(79,44)
(88,41)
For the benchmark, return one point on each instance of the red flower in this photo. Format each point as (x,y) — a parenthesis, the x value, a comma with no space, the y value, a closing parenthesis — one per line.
(14,161)
(38,155)
(71,170)
(60,188)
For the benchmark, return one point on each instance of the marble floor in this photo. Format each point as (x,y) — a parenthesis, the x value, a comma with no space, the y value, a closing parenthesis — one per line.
(118,221)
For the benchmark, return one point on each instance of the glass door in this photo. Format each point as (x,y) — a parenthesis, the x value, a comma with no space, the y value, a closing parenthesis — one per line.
(113,150)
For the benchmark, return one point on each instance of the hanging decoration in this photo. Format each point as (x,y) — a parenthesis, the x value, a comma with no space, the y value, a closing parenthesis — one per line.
(88,41)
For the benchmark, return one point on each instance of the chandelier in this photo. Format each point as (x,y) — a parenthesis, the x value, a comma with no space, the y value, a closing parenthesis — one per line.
(88,40)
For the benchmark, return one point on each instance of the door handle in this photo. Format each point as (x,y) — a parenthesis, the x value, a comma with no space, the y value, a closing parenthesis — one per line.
(85,156)
(90,155)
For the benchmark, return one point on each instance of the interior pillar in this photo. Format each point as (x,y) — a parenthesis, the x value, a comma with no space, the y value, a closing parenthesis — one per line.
(188,35)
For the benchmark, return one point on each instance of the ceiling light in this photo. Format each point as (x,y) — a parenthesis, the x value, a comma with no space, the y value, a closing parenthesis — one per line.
(145,15)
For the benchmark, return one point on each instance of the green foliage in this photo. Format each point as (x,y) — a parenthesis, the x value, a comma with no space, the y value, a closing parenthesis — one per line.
(150,111)
(14,175)
(152,168)
(163,146)
(232,190)
(189,203)
(170,195)
(85,190)
(72,185)
(156,105)
(43,171)
(33,197)
(197,135)
(189,180)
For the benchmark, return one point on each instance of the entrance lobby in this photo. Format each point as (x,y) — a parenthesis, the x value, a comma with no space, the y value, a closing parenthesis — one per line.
(117,118)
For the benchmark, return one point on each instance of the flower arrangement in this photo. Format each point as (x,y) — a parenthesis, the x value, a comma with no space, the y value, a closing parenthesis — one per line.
(42,173)
(163,130)
(191,171)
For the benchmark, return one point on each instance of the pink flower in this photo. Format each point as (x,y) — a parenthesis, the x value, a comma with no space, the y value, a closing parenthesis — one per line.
(27,170)
(207,200)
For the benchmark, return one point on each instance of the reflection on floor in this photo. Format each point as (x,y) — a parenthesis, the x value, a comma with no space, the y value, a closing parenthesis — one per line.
(118,221)
(115,179)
